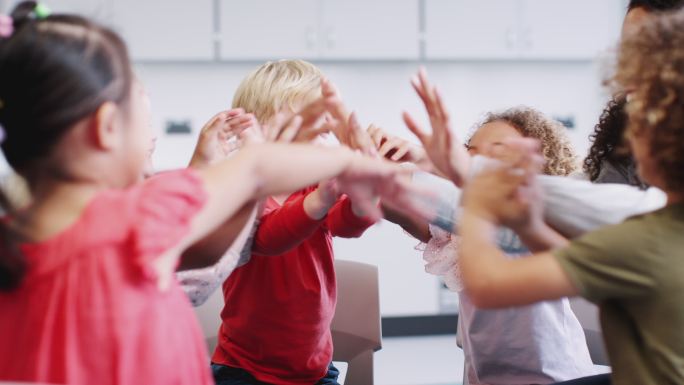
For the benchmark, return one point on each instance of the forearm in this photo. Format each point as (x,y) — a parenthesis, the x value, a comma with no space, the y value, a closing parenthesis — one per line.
(541,237)
(493,281)
(304,165)
(259,171)
(480,256)
(317,204)
(284,228)
(208,250)
(417,228)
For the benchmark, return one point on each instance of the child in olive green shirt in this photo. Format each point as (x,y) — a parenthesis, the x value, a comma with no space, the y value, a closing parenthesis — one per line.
(634,271)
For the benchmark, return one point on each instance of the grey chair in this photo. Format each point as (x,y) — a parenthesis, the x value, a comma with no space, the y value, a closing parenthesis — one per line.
(356,328)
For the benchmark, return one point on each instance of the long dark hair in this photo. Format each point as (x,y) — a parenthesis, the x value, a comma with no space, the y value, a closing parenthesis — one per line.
(54,71)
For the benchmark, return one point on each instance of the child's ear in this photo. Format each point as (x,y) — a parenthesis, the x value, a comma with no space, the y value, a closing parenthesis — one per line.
(105,126)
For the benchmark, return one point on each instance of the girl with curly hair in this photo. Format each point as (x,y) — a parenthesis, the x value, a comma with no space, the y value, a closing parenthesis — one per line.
(538,344)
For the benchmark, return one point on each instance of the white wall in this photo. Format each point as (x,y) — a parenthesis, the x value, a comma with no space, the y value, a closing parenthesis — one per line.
(379,92)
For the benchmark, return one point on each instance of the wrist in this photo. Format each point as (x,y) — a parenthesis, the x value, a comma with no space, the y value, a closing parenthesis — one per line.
(359,212)
(317,204)
(198,161)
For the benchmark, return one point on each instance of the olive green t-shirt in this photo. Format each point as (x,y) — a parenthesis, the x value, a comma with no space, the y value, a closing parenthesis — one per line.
(634,271)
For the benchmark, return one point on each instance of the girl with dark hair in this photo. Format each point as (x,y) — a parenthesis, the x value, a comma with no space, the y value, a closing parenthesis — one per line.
(86,270)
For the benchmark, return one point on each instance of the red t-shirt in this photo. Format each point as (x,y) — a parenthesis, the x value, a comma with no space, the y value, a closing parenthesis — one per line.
(279,306)
(89,310)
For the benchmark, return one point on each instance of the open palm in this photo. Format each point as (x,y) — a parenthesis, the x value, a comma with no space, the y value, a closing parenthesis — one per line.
(446,152)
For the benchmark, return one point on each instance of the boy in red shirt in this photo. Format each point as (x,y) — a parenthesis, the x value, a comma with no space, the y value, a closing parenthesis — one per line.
(279,306)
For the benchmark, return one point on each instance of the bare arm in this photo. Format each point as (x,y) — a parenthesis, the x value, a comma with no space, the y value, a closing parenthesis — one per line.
(418,228)
(491,280)
(209,249)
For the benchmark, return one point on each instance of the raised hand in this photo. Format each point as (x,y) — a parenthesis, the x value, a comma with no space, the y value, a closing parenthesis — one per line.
(213,143)
(446,152)
(344,125)
(303,126)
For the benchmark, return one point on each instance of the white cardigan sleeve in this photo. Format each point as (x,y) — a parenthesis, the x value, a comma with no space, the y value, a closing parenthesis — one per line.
(572,206)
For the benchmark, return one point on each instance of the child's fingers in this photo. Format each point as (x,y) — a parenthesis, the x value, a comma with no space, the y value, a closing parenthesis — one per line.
(401,152)
(312,112)
(235,112)
(422,94)
(427,89)
(376,135)
(309,134)
(415,129)
(336,108)
(362,140)
(389,145)
(441,107)
(290,131)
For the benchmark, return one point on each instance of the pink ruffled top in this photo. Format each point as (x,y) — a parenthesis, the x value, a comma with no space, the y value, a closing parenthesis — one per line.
(90,310)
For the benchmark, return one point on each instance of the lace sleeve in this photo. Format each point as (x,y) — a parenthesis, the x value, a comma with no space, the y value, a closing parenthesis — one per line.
(441,257)
(200,284)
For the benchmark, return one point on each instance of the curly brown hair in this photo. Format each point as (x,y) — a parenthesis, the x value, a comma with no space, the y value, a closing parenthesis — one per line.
(559,155)
(650,65)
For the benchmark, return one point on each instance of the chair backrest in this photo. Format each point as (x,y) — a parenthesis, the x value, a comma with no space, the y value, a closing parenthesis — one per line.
(356,327)
(209,316)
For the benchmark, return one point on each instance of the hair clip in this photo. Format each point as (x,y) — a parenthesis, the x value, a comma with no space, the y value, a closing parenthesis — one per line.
(41,11)
(6,26)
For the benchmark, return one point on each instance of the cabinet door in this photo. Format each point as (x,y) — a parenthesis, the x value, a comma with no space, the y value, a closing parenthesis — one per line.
(95,9)
(269,29)
(370,29)
(166,30)
(471,29)
(574,30)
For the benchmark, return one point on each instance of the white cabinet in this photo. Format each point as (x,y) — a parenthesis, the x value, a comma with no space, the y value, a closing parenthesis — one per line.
(95,9)
(561,29)
(515,29)
(268,29)
(166,30)
(319,29)
(471,29)
(370,29)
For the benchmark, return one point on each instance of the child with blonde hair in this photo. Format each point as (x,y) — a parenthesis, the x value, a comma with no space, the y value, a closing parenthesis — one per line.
(279,306)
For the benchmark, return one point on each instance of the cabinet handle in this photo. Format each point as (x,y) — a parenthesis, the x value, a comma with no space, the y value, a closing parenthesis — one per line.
(311,38)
